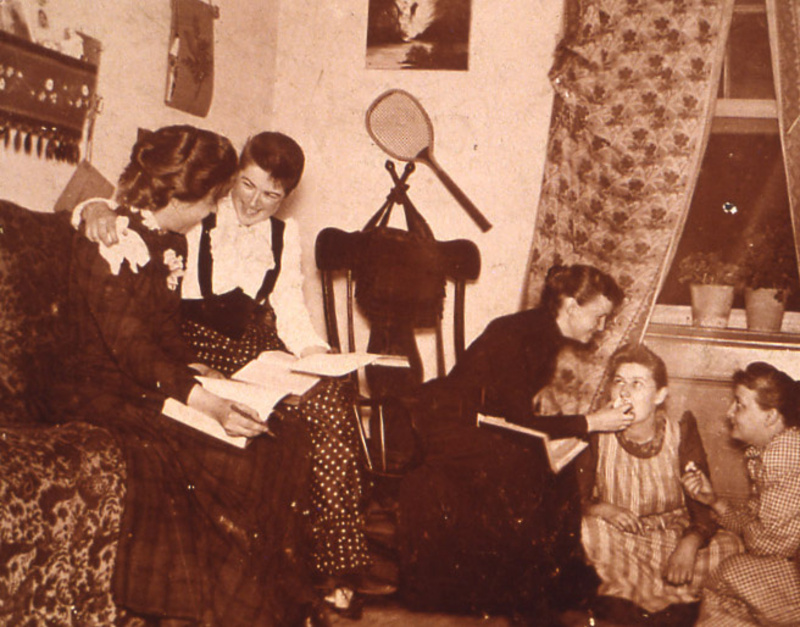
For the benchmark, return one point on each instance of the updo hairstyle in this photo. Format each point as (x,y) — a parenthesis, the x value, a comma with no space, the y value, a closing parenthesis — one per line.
(277,154)
(181,162)
(581,282)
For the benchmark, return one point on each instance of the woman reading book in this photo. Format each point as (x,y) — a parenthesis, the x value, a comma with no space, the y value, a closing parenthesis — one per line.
(484,523)
(209,533)
(241,295)
(651,545)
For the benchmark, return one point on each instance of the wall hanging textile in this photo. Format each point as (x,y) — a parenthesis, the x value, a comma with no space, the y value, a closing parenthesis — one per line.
(190,63)
(635,85)
(45,97)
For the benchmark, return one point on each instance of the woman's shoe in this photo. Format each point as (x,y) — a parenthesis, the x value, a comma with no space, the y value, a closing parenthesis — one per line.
(345,602)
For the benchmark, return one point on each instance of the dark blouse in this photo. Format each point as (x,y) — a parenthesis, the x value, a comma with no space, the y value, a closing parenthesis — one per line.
(508,364)
(129,324)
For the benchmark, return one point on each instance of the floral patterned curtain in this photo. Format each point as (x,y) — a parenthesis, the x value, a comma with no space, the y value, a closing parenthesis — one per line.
(635,84)
(784,37)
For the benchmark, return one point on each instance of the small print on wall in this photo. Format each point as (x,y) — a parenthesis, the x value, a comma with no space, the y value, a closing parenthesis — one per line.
(418,34)
(13,19)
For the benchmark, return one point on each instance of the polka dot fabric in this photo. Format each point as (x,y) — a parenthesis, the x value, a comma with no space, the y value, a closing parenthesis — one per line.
(340,547)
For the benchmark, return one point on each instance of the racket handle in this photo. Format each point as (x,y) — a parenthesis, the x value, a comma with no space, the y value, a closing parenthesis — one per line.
(455,190)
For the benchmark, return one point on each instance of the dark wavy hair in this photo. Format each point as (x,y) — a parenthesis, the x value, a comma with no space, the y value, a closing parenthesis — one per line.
(181,162)
(581,282)
(640,354)
(277,154)
(774,390)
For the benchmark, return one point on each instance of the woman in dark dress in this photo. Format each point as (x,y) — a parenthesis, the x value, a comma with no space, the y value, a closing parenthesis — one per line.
(242,294)
(484,524)
(210,533)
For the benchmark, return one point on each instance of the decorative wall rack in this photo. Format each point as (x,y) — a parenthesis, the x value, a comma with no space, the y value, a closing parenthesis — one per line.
(45,98)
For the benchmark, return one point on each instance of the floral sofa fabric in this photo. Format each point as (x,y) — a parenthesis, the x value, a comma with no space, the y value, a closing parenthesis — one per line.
(61,487)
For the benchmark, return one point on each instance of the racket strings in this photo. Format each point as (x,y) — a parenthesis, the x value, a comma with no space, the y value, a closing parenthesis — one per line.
(399,126)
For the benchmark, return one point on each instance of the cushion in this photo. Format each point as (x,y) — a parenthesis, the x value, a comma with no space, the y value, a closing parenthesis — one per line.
(34,330)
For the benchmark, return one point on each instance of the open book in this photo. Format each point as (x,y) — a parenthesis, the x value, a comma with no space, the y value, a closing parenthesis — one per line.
(272,377)
(560,452)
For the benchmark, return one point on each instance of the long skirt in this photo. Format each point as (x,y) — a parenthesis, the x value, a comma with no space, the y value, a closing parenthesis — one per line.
(337,486)
(209,532)
(631,565)
(752,590)
(485,526)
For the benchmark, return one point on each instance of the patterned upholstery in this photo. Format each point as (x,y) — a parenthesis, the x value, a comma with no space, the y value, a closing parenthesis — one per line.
(61,487)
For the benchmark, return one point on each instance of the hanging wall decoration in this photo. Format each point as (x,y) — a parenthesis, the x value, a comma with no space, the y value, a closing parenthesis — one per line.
(418,34)
(45,97)
(190,64)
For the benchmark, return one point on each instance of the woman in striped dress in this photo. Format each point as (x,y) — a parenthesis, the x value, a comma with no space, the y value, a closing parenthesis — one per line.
(650,545)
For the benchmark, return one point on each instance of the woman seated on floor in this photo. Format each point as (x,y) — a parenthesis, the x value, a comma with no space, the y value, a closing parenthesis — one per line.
(651,546)
(484,524)
(762,585)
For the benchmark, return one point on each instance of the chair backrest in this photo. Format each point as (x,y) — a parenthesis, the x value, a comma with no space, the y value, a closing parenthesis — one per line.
(340,254)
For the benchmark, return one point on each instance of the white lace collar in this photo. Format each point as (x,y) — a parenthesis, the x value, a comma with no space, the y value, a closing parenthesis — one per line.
(242,254)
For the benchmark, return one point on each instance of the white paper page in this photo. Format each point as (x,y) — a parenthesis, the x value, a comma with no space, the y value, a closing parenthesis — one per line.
(333,364)
(272,370)
(200,421)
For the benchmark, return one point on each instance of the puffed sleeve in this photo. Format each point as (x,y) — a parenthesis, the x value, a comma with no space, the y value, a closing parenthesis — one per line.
(691,450)
(135,319)
(292,318)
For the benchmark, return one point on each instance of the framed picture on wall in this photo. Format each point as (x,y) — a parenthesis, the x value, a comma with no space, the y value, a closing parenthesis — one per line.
(418,34)
(14,19)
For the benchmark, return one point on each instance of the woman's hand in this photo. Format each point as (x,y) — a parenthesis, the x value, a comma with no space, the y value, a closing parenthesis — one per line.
(237,419)
(610,418)
(680,565)
(207,371)
(100,223)
(621,518)
(699,487)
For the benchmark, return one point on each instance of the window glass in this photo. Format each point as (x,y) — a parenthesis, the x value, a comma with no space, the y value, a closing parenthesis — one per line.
(741,192)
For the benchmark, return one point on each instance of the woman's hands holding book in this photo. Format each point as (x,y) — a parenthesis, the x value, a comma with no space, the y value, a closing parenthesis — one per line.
(236,418)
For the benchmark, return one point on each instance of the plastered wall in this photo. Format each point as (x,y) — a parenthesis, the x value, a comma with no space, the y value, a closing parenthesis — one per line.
(298,66)
(490,127)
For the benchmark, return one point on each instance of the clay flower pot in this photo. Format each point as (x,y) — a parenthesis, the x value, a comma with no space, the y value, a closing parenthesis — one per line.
(764,307)
(711,305)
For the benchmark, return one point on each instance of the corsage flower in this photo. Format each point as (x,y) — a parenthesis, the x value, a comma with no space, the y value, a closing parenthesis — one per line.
(176,267)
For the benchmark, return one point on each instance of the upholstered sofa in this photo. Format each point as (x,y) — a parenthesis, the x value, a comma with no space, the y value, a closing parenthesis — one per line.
(61,486)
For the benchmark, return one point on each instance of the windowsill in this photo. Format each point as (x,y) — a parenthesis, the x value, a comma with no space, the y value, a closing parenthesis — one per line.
(712,354)
(679,317)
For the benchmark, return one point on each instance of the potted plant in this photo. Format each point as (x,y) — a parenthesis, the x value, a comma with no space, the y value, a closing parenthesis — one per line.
(770,275)
(712,283)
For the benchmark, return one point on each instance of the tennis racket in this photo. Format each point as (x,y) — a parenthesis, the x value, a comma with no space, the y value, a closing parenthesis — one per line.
(397,122)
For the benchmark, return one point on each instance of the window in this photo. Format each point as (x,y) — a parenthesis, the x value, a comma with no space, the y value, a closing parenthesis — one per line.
(741,188)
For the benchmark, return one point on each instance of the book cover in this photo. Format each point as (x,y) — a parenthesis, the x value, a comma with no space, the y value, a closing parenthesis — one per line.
(560,452)
(200,421)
